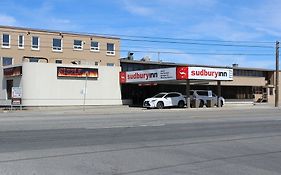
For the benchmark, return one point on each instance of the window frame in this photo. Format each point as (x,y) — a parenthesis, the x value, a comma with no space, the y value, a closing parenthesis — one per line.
(61,45)
(2,40)
(22,44)
(77,47)
(110,52)
(32,46)
(2,61)
(95,49)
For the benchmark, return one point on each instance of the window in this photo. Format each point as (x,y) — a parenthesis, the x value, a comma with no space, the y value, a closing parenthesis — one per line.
(33,60)
(58,61)
(77,45)
(110,64)
(21,41)
(110,49)
(7,61)
(6,41)
(35,43)
(96,63)
(57,44)
(95,46)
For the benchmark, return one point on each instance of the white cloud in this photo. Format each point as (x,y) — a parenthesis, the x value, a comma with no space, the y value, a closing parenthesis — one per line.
(7,20)
(136,8)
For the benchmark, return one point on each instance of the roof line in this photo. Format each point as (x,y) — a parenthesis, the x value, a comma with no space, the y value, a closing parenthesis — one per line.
(55,31)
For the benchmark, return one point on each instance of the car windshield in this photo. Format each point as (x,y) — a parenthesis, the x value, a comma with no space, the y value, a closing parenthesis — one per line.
(159,95)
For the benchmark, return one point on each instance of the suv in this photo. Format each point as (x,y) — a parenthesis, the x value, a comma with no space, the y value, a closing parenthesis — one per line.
(204,95)
(164,99)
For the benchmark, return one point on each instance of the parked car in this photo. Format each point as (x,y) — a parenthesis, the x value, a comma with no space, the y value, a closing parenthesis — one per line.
(165,99)
(204,95)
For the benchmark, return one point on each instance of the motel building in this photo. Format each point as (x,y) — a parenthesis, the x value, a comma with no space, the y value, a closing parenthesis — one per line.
(53,68)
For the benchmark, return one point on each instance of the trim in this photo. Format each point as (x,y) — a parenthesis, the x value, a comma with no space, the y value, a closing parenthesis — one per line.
(110,52)
(21,47)
(78,47)
(6,57)
(6,47)
(32,43)
(61,48)
(95,49)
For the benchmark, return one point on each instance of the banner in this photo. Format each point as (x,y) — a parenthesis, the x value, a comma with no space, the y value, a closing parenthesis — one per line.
(206,73)
(13,71)
(148,75)
(77,72)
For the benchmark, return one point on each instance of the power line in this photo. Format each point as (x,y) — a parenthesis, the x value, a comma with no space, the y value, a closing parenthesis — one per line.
(196,43)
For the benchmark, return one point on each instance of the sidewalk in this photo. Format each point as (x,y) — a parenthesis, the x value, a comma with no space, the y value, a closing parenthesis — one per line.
(118,109)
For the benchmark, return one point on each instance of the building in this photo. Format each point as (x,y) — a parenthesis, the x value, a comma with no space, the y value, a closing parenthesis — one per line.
(54,68)
(248,85)
(59,68)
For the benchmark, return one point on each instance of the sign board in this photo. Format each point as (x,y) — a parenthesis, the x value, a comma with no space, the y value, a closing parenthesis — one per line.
(13,71)
(206,73)
(77,72)
(16,92)
(16,101)
(148,75)
(177,73)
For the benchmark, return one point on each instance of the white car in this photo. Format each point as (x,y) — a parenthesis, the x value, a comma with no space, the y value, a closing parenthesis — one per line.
(204,95)
(164,99)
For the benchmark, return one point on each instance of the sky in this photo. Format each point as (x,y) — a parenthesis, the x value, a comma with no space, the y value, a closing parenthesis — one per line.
(208,32)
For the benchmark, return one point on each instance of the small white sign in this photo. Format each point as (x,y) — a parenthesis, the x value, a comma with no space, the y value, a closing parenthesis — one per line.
(151,75)
(206,73)
(16,92)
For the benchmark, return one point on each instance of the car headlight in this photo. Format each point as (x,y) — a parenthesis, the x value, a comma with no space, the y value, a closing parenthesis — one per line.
(153,100)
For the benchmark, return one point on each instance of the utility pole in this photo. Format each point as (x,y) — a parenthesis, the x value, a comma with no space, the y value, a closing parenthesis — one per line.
(277,76)
(85,91)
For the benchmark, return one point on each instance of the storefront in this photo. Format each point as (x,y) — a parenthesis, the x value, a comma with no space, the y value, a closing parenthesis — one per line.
(48,84)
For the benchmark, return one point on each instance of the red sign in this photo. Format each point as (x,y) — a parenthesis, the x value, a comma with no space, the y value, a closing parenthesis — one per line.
(77,72)
(13,71)
(182,73)
(122,77)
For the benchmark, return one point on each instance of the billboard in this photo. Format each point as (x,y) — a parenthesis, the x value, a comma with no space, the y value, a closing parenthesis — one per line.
(77,72)
(148,75)
(13,71)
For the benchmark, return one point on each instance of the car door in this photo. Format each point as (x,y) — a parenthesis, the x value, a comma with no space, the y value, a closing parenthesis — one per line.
(175,99)
(168,100)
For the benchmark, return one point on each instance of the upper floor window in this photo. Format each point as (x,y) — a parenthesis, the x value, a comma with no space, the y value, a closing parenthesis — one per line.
(58,61)
(57,44)
(95,46)
(77,45)
(21,41)
(35,43)
(7,61)
(110,49)
(6,39)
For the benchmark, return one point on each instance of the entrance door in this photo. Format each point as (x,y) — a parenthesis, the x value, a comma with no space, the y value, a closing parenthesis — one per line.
(9,86)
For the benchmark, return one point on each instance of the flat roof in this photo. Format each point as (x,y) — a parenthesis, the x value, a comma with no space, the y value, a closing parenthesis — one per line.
(122,60)
(59,32)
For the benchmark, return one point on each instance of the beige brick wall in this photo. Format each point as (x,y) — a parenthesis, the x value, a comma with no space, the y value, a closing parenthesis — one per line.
(68,54)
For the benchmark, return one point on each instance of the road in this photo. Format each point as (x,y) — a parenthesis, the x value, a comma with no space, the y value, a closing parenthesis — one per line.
(151,142)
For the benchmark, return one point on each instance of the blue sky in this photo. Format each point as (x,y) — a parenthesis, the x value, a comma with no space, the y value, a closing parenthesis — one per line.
(229,20)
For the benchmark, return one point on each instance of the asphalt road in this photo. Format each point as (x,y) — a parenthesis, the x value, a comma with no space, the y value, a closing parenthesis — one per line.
(156,142)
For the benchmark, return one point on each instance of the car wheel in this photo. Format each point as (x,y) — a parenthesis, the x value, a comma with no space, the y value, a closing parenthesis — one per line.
(181,104)
(221,103)
(201,104)
(160,105)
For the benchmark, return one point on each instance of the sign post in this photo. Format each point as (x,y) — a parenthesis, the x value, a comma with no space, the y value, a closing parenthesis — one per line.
(16,97)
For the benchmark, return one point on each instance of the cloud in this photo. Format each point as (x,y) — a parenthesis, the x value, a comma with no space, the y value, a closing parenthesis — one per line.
(136,8)
(7,20)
